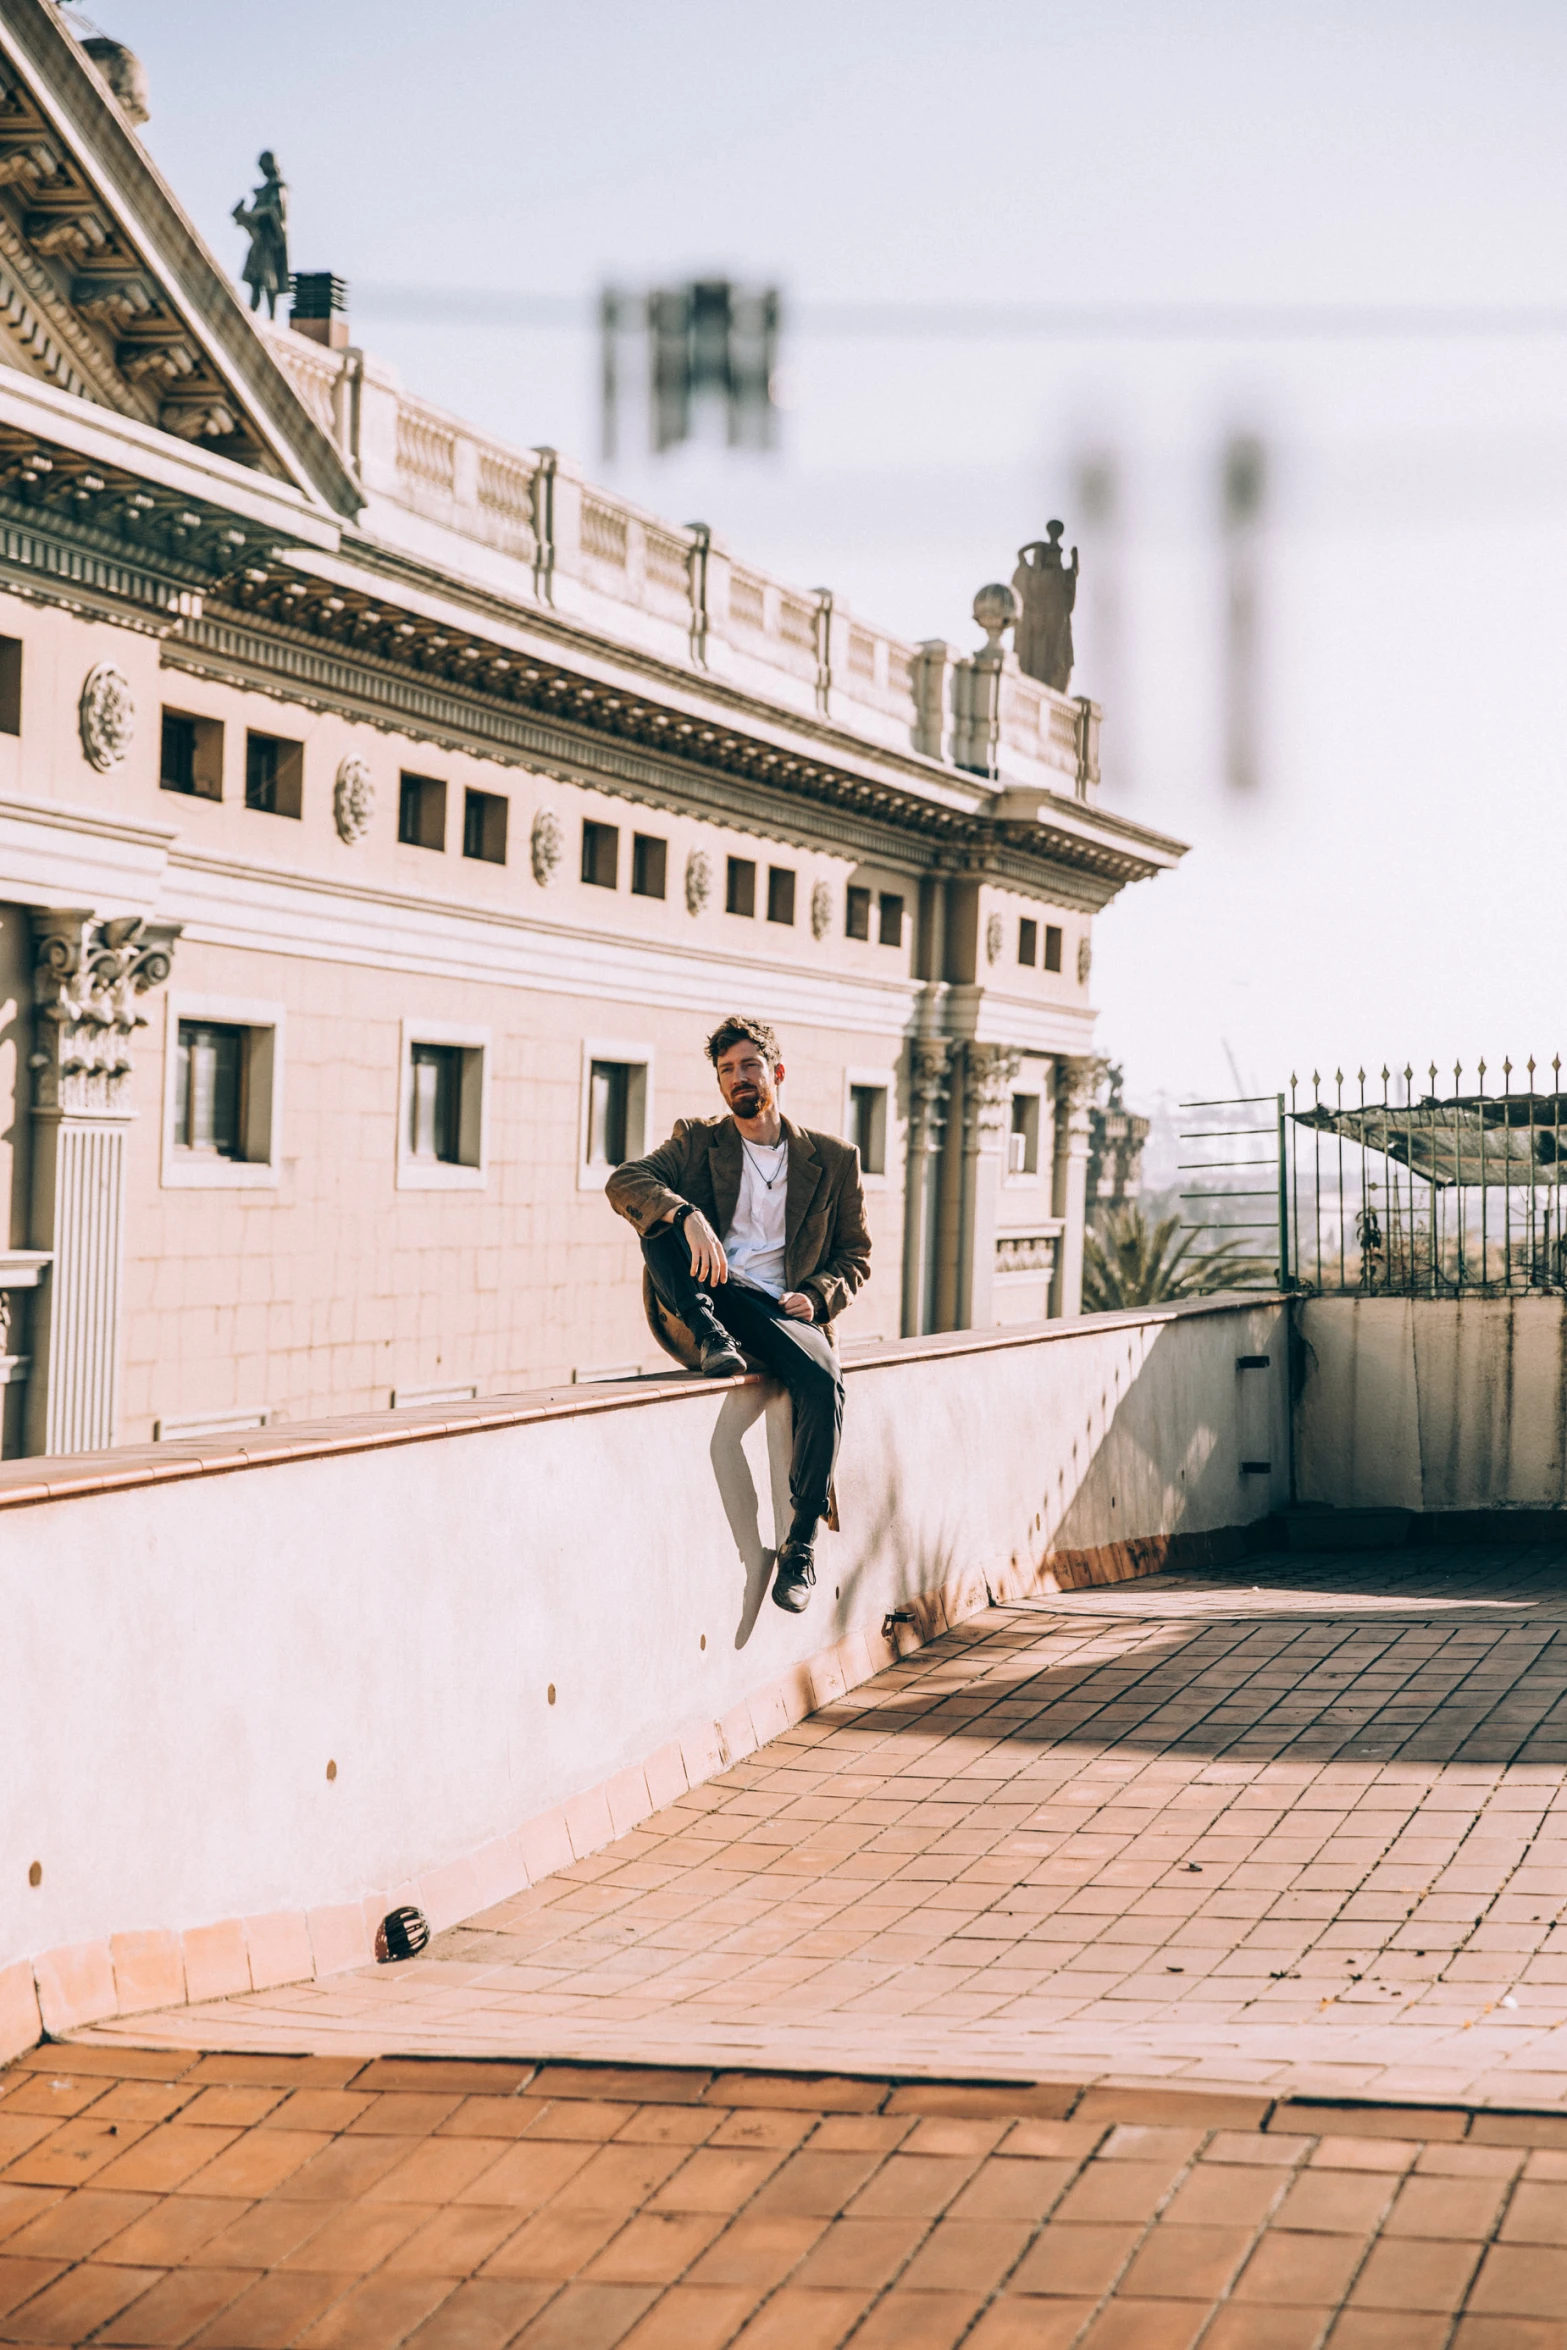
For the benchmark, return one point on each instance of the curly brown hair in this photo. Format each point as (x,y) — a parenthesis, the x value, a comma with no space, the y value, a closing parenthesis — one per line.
(737,1029)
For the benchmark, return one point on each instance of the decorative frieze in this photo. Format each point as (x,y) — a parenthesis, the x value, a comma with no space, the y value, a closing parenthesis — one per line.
(547,847)
(353,800)
(699,881)
(106,715)
(1026,1252)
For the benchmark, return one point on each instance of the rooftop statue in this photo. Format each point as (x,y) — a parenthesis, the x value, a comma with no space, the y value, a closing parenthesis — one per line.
(1046,591)
(266,222)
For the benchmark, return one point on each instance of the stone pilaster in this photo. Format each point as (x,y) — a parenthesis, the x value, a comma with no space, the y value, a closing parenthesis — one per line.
(1075,1077)
(930,1083)
(89,977)
(989,1070)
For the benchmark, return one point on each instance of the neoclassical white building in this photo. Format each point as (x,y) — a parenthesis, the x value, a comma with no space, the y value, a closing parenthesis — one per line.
(385,816)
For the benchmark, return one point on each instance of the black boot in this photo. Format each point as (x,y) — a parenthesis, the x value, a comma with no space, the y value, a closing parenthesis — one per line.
(720,1357)
(796,1576)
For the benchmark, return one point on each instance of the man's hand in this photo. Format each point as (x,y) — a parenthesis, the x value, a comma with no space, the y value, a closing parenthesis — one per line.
(795,1302)
(708,1261)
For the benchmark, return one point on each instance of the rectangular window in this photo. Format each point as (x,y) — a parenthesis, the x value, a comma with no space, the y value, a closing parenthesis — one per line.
(1052,947)
(274,775)
(1028,941)
(601,855)
(649,865)
(484,816)
(421,812)
(435,1104)
(891,919)
(857,913)
(191,756)
(1023,1140)
(209,1102)
(780,894)
(609,1092)
(740,897)
(10,685)
(868,1119)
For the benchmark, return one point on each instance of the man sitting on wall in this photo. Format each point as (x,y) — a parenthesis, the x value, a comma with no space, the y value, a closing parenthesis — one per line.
(794,1250)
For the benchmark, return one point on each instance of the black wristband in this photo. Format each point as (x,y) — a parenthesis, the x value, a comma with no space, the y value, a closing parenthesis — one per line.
(686,1208)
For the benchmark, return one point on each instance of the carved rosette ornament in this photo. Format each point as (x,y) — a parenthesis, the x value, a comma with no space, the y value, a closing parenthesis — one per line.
(699,881)
(353,800)
(106,715)
(88,978)
(821,910)
(993,938)
(987,1091)
(547,847)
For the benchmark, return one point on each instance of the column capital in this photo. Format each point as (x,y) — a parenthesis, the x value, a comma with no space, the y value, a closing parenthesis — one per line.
(88,974)
(988,1077)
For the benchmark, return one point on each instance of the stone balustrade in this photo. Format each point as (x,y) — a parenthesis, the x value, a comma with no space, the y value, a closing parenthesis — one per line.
(595,555)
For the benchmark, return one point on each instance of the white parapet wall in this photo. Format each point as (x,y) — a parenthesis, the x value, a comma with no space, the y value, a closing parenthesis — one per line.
(1432,1404)
(259,1689)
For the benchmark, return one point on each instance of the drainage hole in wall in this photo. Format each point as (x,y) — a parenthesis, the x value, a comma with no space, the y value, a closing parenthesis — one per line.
(550,1693)
(331,1770)
(35,1875)
(703,1641)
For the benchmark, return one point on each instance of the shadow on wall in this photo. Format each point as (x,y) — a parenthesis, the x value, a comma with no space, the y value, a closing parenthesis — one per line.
(1368,1685)
(1153,1450)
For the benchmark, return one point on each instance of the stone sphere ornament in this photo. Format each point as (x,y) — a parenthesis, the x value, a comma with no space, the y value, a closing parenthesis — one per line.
(993,939)
(353,800)
(547,847)
(699,881)
(107,716)
(995,608)
(821,910)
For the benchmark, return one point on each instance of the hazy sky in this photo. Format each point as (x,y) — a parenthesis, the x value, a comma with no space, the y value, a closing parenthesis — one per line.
(1392,887)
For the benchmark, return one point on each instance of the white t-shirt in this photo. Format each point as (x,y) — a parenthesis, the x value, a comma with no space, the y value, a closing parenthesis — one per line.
(754,1242)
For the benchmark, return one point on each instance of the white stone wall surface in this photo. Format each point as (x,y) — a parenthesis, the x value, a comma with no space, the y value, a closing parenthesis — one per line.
(476,1622)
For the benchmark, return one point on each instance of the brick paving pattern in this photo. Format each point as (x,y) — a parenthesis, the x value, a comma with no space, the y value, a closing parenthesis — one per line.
(246,2203)
(1304,1828)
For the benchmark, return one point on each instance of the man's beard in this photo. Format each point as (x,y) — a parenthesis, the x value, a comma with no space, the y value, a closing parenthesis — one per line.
(746,1101)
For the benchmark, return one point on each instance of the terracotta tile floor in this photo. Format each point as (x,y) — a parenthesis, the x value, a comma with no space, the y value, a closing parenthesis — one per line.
(248,2202)
(1305,1829)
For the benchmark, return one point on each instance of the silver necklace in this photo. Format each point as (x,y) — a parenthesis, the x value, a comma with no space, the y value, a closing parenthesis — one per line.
(768,1181)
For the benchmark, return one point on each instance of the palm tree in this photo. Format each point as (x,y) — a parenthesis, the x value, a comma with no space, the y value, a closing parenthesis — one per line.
(1126,1263)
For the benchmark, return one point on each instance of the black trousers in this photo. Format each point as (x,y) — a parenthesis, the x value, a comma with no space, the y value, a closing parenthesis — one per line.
(794,1352)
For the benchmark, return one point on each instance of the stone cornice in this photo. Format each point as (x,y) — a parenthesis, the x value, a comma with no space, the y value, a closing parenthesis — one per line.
(554,721)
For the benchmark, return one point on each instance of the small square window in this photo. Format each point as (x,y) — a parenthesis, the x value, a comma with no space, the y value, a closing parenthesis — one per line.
(209,1098)
(421,812)
(1027,941)
(10,685)
(191,755)
(1023,1140)
(616,1115)
(442,1108)
(740,897)
(649,865)
(484,816)
(891,932)
(868,1121)
(274,775)
(780,894)
(857,913)
(1052,947)
(601,855)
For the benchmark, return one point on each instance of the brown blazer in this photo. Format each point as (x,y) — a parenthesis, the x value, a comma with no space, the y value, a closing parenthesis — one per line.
(827,1250)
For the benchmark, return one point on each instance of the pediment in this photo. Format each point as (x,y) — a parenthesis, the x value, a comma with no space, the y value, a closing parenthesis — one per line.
(106,291)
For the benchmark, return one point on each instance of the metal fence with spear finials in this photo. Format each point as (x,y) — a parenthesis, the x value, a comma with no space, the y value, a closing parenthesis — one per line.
(1385,1186)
